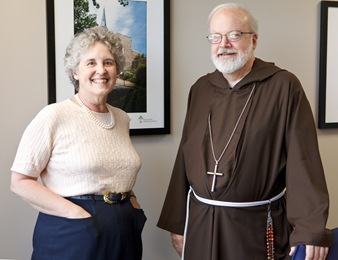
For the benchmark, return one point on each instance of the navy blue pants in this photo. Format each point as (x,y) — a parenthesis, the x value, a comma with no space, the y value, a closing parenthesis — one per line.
(112,233)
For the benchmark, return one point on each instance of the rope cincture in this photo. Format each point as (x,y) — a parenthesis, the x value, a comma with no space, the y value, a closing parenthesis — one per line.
(269,231)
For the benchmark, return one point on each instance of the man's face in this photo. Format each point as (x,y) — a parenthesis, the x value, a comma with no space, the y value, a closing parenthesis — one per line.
(231,56)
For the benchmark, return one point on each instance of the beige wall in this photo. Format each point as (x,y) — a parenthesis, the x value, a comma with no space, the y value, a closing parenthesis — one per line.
(289,36)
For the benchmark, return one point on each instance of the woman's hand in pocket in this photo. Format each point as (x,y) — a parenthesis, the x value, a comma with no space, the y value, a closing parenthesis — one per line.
(134,202)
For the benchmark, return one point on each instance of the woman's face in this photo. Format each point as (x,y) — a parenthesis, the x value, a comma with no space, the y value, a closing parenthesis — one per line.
(97,71)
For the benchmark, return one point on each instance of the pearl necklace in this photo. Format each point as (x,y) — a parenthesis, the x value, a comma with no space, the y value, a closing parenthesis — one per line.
(94,118)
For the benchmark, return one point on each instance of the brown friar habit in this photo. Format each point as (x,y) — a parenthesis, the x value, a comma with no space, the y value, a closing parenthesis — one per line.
(274,146)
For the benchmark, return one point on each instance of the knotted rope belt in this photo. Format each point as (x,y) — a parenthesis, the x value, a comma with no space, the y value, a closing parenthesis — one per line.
(269,228)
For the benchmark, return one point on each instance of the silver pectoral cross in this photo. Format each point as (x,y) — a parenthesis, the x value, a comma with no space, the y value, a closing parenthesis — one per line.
(215,173)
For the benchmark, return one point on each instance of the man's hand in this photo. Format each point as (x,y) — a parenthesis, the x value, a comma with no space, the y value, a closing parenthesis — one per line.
(177,242)
(313,252)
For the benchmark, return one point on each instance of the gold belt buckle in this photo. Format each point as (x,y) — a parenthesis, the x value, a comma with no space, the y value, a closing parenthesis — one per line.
(124,195)
(106,197)
(109,201)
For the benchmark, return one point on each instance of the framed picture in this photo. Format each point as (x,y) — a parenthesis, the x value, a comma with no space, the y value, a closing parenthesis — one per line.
(143,87)
(328,74)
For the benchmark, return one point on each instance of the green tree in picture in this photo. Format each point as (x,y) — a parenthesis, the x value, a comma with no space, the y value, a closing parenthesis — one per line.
(82,18)
(140,70)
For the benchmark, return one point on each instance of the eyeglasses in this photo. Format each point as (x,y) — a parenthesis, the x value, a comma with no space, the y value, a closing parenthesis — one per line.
(232,36)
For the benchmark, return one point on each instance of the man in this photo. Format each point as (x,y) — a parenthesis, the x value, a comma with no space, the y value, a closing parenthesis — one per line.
(249,133)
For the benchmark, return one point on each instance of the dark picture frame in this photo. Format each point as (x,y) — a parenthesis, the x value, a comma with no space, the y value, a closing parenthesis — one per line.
(60,30)
(328,64)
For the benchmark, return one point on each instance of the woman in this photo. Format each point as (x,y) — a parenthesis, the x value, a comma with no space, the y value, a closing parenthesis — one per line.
(81,150)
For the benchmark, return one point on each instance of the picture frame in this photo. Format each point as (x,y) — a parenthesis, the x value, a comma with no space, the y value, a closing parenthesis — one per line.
(155,119)
(328,64)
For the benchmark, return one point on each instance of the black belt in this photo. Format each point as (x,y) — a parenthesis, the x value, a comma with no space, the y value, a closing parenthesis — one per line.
(108,197)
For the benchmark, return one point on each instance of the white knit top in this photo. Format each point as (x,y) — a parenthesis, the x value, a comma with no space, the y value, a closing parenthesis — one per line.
(75,156)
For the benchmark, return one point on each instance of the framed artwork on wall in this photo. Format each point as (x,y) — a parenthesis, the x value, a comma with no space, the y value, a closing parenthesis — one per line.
(328,65)
(143,87)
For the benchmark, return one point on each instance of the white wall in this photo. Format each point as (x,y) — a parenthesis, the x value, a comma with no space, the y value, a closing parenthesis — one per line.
(289,36)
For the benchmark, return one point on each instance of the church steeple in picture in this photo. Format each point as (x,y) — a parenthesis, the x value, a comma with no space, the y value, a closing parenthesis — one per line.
(103,19)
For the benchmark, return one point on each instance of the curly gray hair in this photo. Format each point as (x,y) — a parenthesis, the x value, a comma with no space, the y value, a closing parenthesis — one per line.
(83,41)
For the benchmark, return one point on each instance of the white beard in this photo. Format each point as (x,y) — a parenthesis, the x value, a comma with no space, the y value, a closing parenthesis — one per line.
(230,65)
